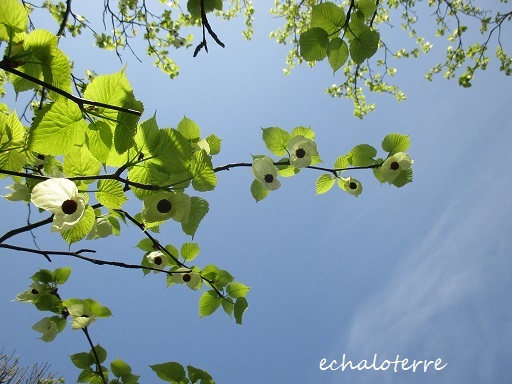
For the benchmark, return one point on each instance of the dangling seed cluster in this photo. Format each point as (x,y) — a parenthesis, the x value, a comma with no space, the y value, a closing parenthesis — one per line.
(186,277)
(269,178)
(352,185)
(394,165)
(300,153)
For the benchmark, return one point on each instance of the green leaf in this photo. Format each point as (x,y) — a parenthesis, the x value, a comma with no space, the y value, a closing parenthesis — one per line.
(204,178)
(80,162)
(100,352)
(171,371)
(99,139)
(337,53)
(342,162)
(307,132)
(146,174)
(174,152)
(120,368)
(48,327)
(61,275)
(368,7)
(396,142)
(147,137)
(324,183)
(111,194)
(193,6)
(228,307)
(214,142)
(404,177)
(57,129)
(208,303)
(189,129)
(241,306)
(114,89)
(82,360)
(313,44)
(82,228)
(257,191)
(43,276)
(196,374)
(276,140)
(189,251)
(329,17)
(13,18)
(42,60)
(362,155)
(198,209)
(236,290)
(146,245)
(364,45)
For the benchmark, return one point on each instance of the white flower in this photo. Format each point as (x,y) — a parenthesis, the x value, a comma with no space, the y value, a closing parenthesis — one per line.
(351,186)
(301,149)
(265,172)
(60,197)
(157,260)
(393,165)
(186,276)
(166,205)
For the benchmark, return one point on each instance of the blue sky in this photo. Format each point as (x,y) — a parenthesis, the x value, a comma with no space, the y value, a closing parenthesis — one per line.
(422,272)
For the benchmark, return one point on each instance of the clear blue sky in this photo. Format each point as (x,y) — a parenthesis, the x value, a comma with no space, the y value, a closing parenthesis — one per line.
(422,272)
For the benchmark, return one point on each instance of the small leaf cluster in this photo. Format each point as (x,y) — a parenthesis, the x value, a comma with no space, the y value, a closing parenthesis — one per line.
(90,364)
(175,373)
(365,155)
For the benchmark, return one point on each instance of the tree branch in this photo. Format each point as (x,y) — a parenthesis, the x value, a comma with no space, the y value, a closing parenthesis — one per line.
(7,66)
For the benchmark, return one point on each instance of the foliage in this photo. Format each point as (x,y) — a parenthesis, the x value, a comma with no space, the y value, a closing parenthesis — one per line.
(83,157)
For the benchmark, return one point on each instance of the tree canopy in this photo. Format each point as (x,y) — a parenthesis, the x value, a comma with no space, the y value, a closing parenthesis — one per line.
(93,158)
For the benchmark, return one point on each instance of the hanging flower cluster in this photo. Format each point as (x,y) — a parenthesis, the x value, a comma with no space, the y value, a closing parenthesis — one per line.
(301,150)
(265,172)
(393,165)
(61,197)
(186,276)
(163,206)
(157,260)
(351,185)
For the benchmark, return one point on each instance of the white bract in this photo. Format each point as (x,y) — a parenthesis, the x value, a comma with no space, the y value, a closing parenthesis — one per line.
(60,197)
(157,260)
(186,276)
(265,172)
(166,205)
(301,149)
(351,186)
(393,165)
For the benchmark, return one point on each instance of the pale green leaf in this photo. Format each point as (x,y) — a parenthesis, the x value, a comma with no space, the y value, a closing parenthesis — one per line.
(214,142)
(57,129)
(276,140)
(111,194)
(189,129)
(189,251)
(99,139)
(198,209)
(324,183)
(236,290)
(208,303)
(120,368)
(13,18)
(307,132)
(82,228)
(257,190)
(171,371)
(396,142)
(362,155)
(147,174)
(368,7)
(80,162)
